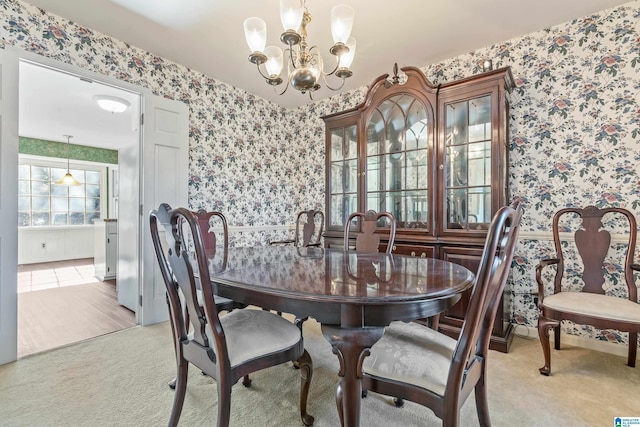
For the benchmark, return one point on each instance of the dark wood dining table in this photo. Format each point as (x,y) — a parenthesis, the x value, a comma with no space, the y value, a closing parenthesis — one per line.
(352,295)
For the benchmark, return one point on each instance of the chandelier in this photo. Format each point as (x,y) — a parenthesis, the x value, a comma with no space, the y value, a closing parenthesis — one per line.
(305,67)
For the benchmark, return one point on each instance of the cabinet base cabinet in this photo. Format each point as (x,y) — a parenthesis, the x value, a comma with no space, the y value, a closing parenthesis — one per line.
(451,320)
(501,343)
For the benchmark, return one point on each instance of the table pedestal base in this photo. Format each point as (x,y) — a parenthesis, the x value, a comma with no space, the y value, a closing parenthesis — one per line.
(351,345)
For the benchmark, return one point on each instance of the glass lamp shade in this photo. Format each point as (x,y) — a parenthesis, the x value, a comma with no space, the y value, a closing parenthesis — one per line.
(347,58)
(255,32)
(274,60)
(67,179)
(291,12)
(341,22)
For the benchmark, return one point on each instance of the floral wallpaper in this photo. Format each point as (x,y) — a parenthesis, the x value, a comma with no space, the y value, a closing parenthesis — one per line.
(574,126)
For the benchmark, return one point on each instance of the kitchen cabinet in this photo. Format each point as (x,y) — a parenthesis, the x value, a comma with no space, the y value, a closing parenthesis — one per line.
(105,257)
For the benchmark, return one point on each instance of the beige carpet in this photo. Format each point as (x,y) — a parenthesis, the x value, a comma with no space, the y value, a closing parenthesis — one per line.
(120,380)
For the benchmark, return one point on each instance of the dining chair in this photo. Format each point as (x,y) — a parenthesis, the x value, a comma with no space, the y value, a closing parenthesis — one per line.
(372,225)
(206,220)
(227,347)
(414,362)
(590,281)
(309,226)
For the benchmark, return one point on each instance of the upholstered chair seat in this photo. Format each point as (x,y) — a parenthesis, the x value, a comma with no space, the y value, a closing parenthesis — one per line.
(252,334)
(594,305)
(412,354)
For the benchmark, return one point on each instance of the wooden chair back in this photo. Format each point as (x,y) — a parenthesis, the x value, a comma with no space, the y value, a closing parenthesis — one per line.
(309,227)
(184,276)
(593,243)
(491,279)
(371,229)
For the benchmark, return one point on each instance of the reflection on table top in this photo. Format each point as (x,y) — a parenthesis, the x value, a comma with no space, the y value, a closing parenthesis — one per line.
(333,274)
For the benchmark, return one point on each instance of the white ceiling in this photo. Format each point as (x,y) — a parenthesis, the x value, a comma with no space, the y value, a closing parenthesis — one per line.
(53,103)
(211,40)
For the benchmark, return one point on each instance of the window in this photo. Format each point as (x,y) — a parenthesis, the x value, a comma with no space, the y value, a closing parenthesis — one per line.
(41,203)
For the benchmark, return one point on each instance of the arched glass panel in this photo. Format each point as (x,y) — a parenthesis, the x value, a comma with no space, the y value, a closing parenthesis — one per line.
(397,161)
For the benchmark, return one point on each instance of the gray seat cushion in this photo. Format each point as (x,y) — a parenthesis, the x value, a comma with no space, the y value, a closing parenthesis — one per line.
(595,305)
(414,354)
(253,333)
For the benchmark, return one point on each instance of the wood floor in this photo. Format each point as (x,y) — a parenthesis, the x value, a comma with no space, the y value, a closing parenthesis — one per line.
(59,315)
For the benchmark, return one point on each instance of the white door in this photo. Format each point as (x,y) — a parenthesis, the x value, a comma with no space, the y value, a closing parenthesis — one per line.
(128,283)
(165,179)
(8,206)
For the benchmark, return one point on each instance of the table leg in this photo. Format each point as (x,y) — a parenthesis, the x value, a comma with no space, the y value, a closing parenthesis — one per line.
(351,345)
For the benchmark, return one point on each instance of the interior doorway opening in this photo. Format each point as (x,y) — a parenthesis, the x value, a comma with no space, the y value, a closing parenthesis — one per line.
(54,240)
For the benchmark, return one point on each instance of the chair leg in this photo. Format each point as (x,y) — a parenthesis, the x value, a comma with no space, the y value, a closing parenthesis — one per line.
(224,402)
(633,348)
(398,402)
(246,381)
(544,324)
(482,401)
(556,337)
(434,322)
(305,365)
(180,391)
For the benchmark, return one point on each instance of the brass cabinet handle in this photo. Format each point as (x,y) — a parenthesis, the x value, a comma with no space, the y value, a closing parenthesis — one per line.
(423,255)
(394,247)
(413,253)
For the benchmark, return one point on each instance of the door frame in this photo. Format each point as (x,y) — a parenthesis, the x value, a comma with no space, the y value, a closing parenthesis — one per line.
(12,180)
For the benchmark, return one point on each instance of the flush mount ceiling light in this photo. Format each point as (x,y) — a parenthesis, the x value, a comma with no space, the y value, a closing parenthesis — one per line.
(305,68)
(67,179)
(112,104)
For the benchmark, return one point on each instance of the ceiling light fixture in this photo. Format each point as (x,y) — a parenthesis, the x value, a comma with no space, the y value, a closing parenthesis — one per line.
(67,179)
(112,104)
(305,65)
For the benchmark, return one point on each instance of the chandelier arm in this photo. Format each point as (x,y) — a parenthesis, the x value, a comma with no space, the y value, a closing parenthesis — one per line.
(285,88)
(324,78)
(318,54)
(261,73)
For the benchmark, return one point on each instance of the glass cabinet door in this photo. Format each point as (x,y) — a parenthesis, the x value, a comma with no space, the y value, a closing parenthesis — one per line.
(467,163)
(397,136)
(343,178)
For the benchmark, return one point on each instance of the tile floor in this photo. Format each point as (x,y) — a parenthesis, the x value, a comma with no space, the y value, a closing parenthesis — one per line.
(46,275)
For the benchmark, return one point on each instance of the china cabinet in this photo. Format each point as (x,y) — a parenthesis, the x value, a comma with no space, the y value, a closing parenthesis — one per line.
(435,156)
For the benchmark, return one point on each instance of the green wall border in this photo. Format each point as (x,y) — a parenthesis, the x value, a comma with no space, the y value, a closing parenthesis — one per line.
(41,147)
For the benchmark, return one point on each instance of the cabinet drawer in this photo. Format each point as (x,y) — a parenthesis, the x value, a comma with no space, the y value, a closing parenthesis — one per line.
(414,250)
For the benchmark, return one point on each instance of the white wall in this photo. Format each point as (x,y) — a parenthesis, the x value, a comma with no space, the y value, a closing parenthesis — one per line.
(54,244)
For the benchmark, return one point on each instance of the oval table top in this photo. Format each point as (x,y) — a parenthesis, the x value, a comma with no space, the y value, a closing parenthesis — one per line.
(324,283)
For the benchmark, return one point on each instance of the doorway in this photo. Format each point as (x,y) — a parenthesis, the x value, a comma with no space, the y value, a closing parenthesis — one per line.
(158,170)
(56,245)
